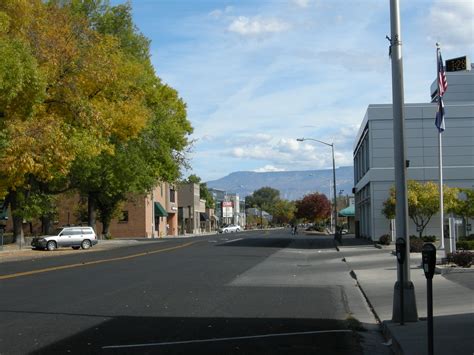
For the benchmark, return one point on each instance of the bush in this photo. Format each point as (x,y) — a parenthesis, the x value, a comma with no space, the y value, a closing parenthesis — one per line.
(429,238)
(416,245)
(467,238)
(465,244)
(461,258)
(7,238)
(385,239)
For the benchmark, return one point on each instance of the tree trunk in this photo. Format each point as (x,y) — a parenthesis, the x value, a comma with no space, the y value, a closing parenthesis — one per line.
(105,219)
(18,236)
(91,210)
(45,225)
(105,228)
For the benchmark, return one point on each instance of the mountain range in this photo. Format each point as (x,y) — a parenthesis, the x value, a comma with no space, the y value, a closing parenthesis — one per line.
(292,185)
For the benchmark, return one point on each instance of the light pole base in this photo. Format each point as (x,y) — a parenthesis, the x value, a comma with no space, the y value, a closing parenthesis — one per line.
(409,308)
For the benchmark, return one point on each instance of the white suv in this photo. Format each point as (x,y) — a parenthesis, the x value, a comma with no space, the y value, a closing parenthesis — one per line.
(75,237)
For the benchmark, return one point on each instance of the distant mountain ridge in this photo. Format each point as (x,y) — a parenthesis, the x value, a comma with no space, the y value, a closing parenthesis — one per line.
(292,185)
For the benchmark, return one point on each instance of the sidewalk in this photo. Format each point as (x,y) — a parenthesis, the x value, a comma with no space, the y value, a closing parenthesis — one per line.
(376,273)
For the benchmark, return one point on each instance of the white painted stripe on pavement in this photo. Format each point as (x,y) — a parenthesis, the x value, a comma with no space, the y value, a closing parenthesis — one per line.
(231,241)
(226,339)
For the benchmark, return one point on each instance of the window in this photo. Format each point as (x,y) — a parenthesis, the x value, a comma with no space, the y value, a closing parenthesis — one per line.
(172,195)
(124,217)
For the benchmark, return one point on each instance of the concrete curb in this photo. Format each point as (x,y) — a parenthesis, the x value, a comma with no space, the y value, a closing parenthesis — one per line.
(452,270)
(395,346)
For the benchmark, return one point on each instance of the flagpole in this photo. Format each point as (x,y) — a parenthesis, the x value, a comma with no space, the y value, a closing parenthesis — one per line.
(441,195)
(440,148)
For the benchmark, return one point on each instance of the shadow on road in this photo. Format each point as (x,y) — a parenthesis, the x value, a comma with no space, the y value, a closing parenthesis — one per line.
(183,335)
(298,242)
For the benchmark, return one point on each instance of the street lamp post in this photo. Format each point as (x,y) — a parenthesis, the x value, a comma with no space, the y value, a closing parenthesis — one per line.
(333,175)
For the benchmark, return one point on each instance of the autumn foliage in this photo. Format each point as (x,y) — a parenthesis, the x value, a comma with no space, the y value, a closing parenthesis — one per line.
(313,207)
(81,106)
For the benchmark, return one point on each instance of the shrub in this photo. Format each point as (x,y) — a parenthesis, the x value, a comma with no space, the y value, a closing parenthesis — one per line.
(416,245)
(461,258)
(468,238)
(385,239)
(429,238)
(465,244)
(7,238)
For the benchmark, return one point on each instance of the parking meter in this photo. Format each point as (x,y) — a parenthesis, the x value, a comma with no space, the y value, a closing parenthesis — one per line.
(428,255)
(428,260)
(401,250)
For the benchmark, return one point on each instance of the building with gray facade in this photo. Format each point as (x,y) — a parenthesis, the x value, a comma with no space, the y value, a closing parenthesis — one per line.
(374,152)
(233,214)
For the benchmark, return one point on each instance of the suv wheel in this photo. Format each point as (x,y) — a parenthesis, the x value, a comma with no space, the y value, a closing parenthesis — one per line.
(51,245)
(86,244)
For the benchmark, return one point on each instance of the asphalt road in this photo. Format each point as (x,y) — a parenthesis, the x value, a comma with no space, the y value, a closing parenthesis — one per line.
(244,293)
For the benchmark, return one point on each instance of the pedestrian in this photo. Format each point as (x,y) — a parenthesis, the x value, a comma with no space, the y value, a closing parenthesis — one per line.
(296,229)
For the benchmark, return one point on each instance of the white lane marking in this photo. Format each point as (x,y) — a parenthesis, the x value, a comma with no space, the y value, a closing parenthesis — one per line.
(226,339)
(231,241)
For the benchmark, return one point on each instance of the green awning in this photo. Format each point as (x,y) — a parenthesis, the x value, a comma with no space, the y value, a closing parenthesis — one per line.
(160,211)
(347,212)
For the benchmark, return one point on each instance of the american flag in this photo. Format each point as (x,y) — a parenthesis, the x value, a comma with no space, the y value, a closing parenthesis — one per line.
(442,82)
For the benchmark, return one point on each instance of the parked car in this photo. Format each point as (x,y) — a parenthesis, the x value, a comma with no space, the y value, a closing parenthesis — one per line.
(74,237)
(230,228)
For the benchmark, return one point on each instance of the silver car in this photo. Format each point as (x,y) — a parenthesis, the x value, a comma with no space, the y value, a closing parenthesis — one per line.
(229,229)
(74,237)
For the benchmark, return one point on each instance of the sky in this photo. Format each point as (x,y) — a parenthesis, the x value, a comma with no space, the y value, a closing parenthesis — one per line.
(257,74)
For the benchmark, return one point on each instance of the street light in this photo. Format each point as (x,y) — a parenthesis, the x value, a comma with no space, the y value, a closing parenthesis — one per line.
(333,174)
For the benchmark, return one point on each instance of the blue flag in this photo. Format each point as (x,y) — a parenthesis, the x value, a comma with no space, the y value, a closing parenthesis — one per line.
(439,121)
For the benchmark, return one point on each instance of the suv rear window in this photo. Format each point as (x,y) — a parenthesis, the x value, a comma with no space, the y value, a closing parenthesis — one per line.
(87,231)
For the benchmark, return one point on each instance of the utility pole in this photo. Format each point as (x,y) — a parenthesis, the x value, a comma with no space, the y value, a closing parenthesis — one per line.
(400,164)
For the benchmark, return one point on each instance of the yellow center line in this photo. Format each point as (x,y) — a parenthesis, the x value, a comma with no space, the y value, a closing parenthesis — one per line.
(39,271)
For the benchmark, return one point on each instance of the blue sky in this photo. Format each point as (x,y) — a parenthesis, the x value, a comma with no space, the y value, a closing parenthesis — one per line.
(255,75)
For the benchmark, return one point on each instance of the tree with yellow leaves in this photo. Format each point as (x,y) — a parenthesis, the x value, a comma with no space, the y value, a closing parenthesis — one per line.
(423,202)
(73,89)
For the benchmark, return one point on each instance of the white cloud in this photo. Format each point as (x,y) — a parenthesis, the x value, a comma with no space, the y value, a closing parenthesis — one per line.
(355,61)
(285,145)
(207,138)
(268,168)
(301,3)
(452,23)
(217,13)
(247,26)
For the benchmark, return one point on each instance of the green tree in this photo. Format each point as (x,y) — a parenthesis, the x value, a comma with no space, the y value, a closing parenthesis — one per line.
(423,202)
(83,93)
(463,205)
(264,198)
(388,206)
(284,211)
